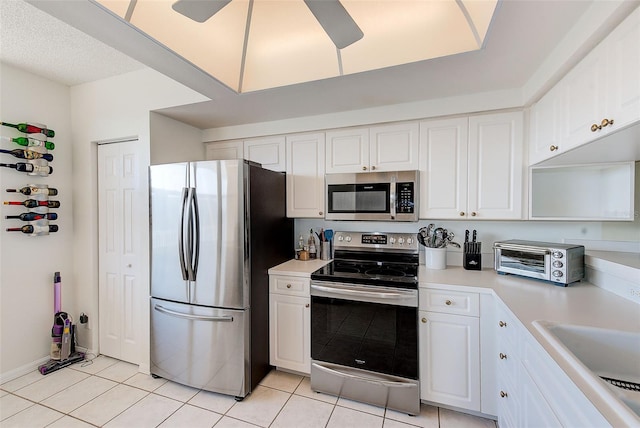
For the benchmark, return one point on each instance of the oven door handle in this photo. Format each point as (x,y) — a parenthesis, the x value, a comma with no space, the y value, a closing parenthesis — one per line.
(364,379)
(349,292)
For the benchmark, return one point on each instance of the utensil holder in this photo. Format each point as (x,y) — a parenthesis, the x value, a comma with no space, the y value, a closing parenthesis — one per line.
(435,258)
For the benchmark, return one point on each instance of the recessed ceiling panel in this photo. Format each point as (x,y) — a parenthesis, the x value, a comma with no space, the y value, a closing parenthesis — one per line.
(481,13)
(400,32)
(215,45)
(286,45)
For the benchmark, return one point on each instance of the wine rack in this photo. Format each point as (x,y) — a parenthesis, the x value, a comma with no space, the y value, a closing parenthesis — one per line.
(32,151)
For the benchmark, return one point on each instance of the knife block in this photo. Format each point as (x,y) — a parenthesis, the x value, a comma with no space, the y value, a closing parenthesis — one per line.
(472,256)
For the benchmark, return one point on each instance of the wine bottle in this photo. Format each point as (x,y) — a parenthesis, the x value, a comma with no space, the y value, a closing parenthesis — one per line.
(32,203)
(30,142)
(35,190)
(29,167)
(30,216)
(33,230)
(28,154)
(28,128)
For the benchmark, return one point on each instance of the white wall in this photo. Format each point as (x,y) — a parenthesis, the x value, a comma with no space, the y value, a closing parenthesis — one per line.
(174,141)
(110,109)
(27,264)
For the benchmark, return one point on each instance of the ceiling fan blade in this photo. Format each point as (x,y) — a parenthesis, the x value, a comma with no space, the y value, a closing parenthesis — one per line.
(199,10)
(336,22)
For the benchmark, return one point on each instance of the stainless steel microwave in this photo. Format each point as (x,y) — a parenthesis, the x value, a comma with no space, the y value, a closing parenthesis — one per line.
(372,196)
(561,264)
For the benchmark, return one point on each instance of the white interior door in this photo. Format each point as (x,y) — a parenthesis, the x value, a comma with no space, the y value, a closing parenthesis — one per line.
(122,188)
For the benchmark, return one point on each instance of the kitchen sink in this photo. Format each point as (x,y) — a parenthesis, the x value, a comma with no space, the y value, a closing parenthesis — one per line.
(601,357)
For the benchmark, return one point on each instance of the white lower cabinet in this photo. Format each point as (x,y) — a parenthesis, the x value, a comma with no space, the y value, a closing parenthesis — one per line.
(290,323)
(449,349)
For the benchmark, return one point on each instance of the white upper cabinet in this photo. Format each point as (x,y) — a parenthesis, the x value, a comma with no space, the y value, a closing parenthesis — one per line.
(443,168)
(305,175)
(269,152)
(224,150)
(391,147)
(599,96)
(472,167)
(347,150)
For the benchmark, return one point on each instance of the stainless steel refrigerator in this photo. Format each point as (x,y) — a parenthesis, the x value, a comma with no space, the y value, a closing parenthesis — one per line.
(216,228)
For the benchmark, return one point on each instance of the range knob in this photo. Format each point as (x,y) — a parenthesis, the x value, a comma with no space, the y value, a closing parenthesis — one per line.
(557,274)
(557,254)
(400,241)
(340,238)
(409,241)
(392,240)
(557,264)
(348,238)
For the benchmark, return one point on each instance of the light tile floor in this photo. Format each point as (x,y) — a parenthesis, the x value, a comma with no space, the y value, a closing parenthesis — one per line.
(111,393)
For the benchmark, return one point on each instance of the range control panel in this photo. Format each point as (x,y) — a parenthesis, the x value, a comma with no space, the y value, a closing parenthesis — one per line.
(375,240)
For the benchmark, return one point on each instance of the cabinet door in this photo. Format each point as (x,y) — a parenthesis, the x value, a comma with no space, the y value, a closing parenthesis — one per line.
(269,152)
(623,95)
(394,147)
(305,175)
(290,332)
(347,150)
(496,166)
(224,150)
(535,411)
(546,118)
(443,168)
(584,96)
(450,359)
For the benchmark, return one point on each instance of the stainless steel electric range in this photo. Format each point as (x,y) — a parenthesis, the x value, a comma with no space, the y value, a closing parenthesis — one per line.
(364,321)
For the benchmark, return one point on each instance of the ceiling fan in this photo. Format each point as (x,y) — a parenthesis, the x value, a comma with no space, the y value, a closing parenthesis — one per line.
(332,16)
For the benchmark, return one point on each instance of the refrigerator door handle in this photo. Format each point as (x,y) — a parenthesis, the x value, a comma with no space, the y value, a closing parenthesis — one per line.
(224,318)
(181,243)
(196,247)
(190,232)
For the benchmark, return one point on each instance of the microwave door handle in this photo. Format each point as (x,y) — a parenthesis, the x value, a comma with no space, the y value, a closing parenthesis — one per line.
(392,199)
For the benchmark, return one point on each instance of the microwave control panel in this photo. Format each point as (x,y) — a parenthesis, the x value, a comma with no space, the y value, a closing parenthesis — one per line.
(405,198)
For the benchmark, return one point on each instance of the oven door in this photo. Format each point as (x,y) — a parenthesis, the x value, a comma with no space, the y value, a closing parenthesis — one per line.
(367,201)
(531,262)
(365,327)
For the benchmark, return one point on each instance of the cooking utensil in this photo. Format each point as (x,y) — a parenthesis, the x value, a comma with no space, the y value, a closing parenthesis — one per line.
(328,234)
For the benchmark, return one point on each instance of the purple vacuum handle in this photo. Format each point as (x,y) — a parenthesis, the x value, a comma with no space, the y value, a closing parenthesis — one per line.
(57,293)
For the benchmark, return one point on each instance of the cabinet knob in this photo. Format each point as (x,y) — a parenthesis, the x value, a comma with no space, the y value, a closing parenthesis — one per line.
(319,212)
(448,302)
(503,394)
(503,356)
(553,148)
(373,167)
(306,306)
(473,214)
(502,324)
(424,320)
(288,285)
(461,213)
(606,122)
(364,168)
(595,127)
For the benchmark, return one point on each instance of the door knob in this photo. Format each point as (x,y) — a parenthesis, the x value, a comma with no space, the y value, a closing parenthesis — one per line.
(595,127)
(448,302)
(503,394)
(364,168)
(424,320)
(502,324)
(503,356)
(553,148)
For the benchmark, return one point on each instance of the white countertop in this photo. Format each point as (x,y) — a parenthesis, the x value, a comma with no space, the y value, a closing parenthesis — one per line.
(530,300)
(298,267)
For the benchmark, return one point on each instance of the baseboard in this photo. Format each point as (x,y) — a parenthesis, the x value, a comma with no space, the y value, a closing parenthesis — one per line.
(22,370)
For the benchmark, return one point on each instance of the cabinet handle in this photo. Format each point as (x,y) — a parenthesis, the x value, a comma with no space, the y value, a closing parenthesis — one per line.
(448,302)
(503,394)
(461,213)
(503,356)
(502,324)
(553,148)
(373,167)
(473,214)
(595,127)
(606,122)
(364,168)
(424,320)
(306,306)
(319,212)
(288,285)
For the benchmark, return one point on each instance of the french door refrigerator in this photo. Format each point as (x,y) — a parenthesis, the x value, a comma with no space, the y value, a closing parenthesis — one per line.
(216,228)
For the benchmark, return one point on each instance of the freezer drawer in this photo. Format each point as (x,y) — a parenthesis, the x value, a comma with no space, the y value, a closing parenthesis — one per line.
(202,347)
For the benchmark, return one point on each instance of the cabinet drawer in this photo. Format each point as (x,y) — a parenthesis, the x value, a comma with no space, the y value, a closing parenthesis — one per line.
(509,330)
(449,302)
(293,285)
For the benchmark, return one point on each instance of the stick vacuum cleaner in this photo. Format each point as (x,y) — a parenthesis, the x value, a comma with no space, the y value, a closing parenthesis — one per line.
(63,351)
